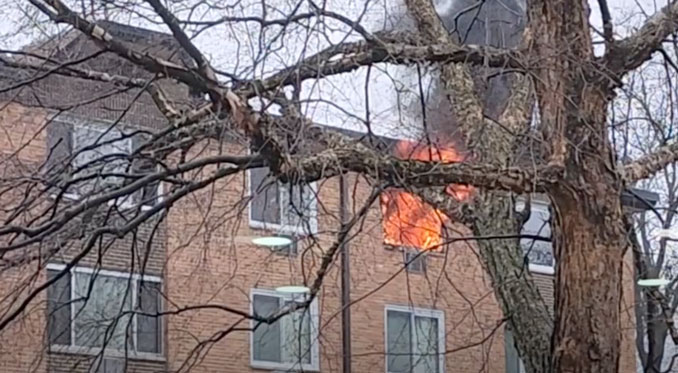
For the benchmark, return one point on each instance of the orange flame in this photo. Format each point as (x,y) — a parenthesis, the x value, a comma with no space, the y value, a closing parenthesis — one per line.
(409,221)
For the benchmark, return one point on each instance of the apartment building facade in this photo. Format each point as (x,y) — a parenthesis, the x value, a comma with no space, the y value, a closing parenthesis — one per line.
(197,265)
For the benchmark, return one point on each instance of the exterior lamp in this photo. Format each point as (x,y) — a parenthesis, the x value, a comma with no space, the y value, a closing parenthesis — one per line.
(670,234)
(653,282)
(271,241)
(293,289)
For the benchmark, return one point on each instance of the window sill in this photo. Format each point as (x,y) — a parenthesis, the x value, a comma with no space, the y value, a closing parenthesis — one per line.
(94,351)
(123,205)
(281,367)
(280,229)
(542,269)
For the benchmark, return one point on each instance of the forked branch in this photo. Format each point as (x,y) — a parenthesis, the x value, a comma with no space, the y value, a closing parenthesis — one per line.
(631,52)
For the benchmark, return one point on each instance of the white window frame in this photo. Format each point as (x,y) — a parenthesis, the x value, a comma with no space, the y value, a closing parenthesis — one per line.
(85,350)
(314,366)
(422,312)
(101,128)
(284,228)
(539,206)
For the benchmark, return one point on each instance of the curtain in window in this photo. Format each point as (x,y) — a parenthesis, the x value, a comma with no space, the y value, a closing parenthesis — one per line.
(426,348)
(100,308)
(266,339)
(399,344)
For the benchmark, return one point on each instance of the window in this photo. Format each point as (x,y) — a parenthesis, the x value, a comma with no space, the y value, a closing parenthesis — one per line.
(111,144)
(91,309)
(513,362)
(539,253)
(90,144)
(415,340)
(415,261)
(283,207)
(108,365)
(289,343)
(287,250)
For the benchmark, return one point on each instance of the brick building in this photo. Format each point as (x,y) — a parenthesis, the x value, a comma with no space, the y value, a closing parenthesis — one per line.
(197,263)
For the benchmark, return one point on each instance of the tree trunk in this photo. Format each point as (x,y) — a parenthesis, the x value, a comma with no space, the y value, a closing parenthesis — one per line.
(589,244)
(590,238)
(588,229)
(527,314)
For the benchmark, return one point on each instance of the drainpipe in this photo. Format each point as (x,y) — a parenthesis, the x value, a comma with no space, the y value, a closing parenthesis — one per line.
(345,281)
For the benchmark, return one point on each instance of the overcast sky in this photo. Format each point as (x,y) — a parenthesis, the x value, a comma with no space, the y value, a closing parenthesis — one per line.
(342,98)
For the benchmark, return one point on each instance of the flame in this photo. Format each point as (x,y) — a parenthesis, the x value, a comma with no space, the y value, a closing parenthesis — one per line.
(409,221)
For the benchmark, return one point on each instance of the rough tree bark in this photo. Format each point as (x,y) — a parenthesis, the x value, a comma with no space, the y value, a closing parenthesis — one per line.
(492,212)
(589,235)
(588,230)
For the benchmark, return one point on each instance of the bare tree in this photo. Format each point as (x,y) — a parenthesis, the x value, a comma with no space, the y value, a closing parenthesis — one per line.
(642,119)
(566,154)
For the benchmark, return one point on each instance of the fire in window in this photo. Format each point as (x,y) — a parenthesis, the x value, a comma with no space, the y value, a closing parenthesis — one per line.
(407,220)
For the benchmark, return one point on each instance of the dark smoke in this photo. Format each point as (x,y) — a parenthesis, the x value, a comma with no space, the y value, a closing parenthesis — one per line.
(497,23)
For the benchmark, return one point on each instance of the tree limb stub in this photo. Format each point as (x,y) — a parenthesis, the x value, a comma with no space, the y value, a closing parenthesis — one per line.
(652,163)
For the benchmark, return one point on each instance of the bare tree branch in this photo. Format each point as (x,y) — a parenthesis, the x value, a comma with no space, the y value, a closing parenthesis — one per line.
(359,54)
(652,163)
(397,172)
(629,53)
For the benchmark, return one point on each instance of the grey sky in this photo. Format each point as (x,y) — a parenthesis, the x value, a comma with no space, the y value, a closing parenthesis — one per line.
(337,101)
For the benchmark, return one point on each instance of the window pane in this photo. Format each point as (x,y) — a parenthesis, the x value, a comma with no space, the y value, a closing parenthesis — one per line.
(149,334)
(101,308)
(415,262)
(149,193)
(539,252)
(299,201)
(85,137)
(265,203)
(426,351)
(266,339)
(512,359)
(59,309)
(296,333)
(59,147)
(399,342)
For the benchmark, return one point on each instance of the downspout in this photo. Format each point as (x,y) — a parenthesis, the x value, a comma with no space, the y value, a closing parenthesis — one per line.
(345,280)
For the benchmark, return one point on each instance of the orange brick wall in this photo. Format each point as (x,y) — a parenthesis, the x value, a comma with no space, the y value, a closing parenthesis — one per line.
(203,258)
(21,343)
(216,268)
(205,264)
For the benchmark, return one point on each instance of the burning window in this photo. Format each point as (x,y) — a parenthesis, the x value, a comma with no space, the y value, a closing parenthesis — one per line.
(408,221)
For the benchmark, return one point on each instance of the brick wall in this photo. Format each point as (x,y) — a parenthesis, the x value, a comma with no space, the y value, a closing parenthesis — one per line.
(221,270)
(23,346)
